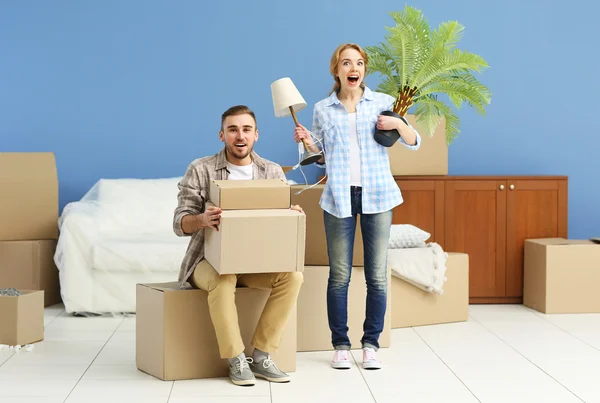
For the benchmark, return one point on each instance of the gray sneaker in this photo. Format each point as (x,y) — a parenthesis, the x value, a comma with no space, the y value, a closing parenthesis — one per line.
(240,373)
(268,370)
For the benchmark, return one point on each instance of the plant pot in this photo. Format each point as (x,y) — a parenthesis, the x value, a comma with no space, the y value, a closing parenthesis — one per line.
(388,138)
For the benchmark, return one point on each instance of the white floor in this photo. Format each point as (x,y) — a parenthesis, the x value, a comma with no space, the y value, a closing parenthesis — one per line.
(504,353)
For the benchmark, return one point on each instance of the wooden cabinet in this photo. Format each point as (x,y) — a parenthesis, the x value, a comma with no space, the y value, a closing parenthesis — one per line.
(423,207)
(488,218)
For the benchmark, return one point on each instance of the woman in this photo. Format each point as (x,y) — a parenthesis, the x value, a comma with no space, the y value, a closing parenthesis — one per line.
(359,182)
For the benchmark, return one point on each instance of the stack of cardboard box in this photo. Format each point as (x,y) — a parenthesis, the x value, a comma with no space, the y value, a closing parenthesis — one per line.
(28,234)
(29,223)
(258,233)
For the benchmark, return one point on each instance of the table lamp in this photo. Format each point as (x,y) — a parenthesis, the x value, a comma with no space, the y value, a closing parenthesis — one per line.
(287,101)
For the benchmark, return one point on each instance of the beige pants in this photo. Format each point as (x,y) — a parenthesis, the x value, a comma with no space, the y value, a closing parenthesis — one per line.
(221,304)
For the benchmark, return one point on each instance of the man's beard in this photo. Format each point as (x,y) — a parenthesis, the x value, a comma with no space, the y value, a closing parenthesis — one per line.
(238,154)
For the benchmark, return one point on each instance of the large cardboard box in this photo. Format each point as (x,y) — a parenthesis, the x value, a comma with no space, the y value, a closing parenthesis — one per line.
(22,318)
(29,201)
(29,265)
(257,241)
(430,159)
(313,323)
(249,194)
(175,337)
(416,307)
(561,276)
(316,241)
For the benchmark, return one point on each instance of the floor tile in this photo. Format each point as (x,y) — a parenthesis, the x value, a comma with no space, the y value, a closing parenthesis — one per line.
(492,370)
(409,368)
(315,380)
(45,372)
(43,389)
(216,387)
(125,388)
(103,373)
(50,353)
(572,362)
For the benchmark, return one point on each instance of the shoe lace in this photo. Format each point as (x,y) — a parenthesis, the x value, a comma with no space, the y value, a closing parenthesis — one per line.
(267,363)
(341,355)
(242,364)
(370,355)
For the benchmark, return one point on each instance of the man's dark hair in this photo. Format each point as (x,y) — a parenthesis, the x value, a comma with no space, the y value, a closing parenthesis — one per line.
(238,110)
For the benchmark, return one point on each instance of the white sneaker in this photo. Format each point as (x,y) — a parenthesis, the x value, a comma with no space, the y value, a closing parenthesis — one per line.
(370,359)
(341,360)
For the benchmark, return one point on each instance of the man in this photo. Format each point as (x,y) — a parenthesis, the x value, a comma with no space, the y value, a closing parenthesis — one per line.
(236,161)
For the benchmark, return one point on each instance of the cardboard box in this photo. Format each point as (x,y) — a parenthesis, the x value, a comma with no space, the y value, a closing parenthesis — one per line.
(430,159)
(561,276)
(29,265)
(250,194)
(316,241)
(257,241)
(313,323)
(175,337)
(416,307)
(29,202)
(22,318)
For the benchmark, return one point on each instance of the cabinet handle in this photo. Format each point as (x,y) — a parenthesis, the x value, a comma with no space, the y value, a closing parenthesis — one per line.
(501,187)
(512,187)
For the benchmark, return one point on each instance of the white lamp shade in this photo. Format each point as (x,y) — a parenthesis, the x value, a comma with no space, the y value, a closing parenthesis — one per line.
(285,94)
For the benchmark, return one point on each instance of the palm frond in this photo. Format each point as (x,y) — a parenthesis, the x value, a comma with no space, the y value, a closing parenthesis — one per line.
(389,86)
(429,115)
(455,62)
(447,35)
(430,105)
(443,39)
(460,88)
(379,62)
(417,40)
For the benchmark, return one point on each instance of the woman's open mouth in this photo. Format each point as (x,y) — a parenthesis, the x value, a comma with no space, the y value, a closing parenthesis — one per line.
(353,79)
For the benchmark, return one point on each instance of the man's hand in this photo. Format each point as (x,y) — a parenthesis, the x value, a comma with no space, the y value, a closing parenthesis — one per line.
(297,208)
(210,218)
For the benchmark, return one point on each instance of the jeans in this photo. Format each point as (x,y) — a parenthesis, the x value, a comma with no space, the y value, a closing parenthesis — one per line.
(340,244)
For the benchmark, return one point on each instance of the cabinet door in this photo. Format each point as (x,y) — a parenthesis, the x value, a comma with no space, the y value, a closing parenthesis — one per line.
(423,207)
(476,224)
(535,209)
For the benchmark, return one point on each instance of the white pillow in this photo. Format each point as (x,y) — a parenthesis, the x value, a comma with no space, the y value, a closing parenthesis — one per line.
(407,236)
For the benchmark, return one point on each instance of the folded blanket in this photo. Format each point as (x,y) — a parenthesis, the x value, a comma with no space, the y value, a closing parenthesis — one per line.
(424,267)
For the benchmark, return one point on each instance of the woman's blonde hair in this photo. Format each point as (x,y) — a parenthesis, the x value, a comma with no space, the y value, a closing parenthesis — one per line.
(335,59)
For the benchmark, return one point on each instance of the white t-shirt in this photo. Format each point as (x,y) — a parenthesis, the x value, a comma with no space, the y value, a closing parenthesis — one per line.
(240,172)
(355,172)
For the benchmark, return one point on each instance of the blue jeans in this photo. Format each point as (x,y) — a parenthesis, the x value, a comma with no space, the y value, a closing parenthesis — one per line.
(340,245)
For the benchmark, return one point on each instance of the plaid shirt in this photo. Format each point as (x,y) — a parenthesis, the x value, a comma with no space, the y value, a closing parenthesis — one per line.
(193,194)
(330,125)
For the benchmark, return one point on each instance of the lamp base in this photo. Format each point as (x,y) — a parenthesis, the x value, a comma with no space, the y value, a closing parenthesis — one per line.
(388,138)
(310,158)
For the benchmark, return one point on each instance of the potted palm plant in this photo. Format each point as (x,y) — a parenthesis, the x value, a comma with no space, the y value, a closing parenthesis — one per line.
(418,65)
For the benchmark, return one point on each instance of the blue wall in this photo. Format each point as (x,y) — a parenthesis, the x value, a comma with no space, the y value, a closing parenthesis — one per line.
(136,88)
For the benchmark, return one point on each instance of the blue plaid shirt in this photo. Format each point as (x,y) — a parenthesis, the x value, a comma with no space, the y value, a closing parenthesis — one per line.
(330,126)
